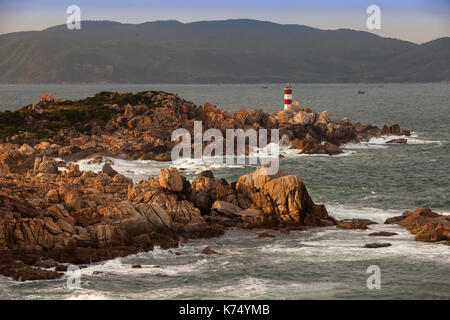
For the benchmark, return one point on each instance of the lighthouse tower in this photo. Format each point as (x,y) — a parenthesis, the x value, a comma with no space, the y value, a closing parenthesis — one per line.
(287,96)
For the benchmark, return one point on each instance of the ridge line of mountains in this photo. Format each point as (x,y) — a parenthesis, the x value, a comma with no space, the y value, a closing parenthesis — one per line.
(229,51)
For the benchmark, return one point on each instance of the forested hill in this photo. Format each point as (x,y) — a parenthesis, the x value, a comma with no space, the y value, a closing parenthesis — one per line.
(231,51)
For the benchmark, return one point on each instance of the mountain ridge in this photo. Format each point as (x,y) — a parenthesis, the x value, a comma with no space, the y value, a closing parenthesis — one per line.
(224,51)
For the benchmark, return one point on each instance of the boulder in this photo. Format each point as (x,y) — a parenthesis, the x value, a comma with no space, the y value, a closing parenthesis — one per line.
(201,200)
(4,169)
(377,245)
(47,97)
(27,151)
(394,129)
(323,118)
(171,180)
(295,107)
(45,166)
(382,234)
(304,118)
(207,250)
(108,170)
(72,199)
(226,208)
(282,198)
(425,224)
(394,220)
(308,146)
(61,268)
(400,140)
(285,116)
(332,149)
(354,223)
(405,132)
(29,273)
(338,133)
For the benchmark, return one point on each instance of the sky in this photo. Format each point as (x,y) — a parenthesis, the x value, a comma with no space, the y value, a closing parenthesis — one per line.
(417,21)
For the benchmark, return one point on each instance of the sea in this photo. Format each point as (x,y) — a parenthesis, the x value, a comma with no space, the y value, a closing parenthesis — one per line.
(372,180)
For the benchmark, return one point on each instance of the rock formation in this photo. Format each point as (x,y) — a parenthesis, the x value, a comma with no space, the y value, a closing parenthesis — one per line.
(425,224)
(139,126)
(52,213)
(71,216)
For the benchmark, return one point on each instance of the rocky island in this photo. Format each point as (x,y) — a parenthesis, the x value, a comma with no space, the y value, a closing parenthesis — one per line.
(50,216)
(139,126)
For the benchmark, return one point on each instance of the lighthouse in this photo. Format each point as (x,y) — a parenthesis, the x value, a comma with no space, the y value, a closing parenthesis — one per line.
(287,96)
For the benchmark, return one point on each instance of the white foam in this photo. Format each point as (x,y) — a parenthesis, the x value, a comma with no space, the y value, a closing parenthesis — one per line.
(90,295)
(375,214)
(343,154)
(137,169)
(380,142)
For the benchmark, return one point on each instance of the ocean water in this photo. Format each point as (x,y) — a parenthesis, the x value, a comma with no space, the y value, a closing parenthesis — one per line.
(371,180)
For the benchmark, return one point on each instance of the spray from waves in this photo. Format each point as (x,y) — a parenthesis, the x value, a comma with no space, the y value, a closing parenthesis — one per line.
(258,288)
(288,152)
(137,169)
(90,295)
(380,142)
(378,215)
(142,169)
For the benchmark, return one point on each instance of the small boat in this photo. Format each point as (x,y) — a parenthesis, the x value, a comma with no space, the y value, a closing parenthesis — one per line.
(361,92)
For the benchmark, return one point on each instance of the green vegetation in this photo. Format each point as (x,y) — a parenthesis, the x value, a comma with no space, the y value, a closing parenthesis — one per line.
(80,118)
(122,99)
(81,115)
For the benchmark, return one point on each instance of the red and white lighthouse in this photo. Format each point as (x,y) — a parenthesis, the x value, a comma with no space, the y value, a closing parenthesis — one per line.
(287,97)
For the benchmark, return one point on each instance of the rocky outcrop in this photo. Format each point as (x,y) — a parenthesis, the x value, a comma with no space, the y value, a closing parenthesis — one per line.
(282,199)
(425,224)
(171,180)
(377,245)
(16,159)
(226,208)
(382,234)
(44,165)
(400,140)
(51,210)
(354,224)
(139,126)
(108,170)
(79,217)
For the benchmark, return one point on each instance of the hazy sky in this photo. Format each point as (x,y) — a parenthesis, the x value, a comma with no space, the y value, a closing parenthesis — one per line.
(413,20)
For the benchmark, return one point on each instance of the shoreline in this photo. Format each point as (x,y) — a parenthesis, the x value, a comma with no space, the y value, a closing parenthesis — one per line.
(48,217)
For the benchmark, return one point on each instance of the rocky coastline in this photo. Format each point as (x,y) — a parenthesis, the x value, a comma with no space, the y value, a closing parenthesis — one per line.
(139,126)
(50,217)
